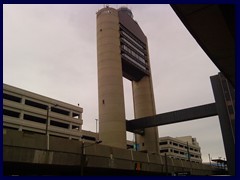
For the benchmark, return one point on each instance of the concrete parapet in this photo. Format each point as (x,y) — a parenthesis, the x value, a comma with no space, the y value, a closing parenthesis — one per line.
(19,147)
(121,153)
(24,139)
(97,150)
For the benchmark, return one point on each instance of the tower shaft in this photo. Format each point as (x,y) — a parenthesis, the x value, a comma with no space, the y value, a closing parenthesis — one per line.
(112,123)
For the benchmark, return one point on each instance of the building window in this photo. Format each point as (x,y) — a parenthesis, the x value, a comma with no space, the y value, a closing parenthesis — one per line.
(75,115)
(175,151)
(36,104)
(75,127)
(127,34)
(134,61)
(34,119)
(10,113)
(11,98)
(175,144)
(164,151)
(163,143)
(59,124)
(60,111)
(6,127)
(181,146)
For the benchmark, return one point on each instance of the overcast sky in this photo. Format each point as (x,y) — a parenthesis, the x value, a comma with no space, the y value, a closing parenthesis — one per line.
(51,50)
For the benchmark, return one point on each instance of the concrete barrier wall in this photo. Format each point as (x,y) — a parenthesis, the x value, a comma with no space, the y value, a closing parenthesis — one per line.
(24,139)
(65,145)
(122,154)
(18,155)
(31,148)
(97,150)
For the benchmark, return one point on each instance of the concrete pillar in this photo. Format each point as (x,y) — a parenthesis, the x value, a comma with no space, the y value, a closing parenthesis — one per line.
(226,124)
(144,105)
(112,123)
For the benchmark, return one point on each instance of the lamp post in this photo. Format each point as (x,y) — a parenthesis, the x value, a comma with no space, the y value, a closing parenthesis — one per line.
(83,156)
(46,132)
(209,159)
(96,125)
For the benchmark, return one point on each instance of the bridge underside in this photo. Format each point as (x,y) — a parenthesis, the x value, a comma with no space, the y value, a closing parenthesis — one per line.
(213,27)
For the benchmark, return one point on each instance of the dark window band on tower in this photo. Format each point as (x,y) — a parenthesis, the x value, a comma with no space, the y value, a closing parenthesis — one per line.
(131,36)
(134,55)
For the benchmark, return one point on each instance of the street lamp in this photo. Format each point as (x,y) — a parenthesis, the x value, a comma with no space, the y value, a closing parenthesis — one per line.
(209,159)
(96,124)
(82,154)
(46,132)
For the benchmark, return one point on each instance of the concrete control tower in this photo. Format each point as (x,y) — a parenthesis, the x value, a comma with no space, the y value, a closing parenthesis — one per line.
(122,51)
